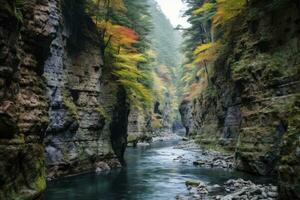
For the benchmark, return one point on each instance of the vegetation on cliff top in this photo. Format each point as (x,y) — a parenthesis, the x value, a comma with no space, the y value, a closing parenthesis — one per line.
(206,18)
(124,47)
(140,59)
(213,22)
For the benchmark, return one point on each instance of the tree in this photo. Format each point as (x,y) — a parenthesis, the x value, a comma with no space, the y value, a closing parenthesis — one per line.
(123,49)
(204,54)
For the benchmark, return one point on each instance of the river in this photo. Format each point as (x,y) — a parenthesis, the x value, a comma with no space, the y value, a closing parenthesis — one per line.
(151,174)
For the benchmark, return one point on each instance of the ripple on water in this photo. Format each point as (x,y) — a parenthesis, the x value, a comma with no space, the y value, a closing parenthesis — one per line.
(154,172)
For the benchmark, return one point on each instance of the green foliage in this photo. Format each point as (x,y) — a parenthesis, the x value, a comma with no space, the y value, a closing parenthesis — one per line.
(198,47)
(264,66)
(201,48)
(137,93)
(166,40)
(18,10)
(165,51)
(210,93)
(126,71)
(124,32)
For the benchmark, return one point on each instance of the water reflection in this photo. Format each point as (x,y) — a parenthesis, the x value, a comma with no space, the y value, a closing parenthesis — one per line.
(151,173)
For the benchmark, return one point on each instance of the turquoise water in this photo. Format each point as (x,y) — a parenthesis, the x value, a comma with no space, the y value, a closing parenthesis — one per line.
(151,173)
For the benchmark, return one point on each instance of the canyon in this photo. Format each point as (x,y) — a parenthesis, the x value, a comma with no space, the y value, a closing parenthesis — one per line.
(62,110)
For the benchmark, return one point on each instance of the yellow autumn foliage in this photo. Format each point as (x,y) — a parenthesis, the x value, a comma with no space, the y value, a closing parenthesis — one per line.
(158,87)
(138,95)
(206,52)
(206,7)
(125,69)
(195,90)
(227,10)
(117,5)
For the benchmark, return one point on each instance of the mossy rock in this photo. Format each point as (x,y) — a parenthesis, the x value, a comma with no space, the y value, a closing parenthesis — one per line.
(192,183)
(70,106)
(132,138)
(16,177)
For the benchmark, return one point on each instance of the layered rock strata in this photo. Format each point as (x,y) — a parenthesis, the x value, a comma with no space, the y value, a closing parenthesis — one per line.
(25,41)
(88,111)
(59,105)
(251,105)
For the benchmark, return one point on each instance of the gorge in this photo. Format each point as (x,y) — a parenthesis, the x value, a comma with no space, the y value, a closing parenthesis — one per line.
(82,81)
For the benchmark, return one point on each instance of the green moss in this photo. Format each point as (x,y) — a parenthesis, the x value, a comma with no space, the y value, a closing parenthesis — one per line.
(101,111)
(132,138)
(40,183)
(209,139)
(263,66)
(70,106)
(213,145)
(289,159)
(19,139)
(193,183)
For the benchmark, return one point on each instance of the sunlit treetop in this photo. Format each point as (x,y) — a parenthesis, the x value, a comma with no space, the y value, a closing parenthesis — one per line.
(117,35)
(227,10)
(117,5)
(206,7)
(206,52)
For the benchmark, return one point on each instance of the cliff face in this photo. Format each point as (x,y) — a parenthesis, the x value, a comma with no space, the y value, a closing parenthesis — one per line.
(139,126)
(251,105)
(85,104)
(55,97)
(23,102)
(143,125)
(185,110)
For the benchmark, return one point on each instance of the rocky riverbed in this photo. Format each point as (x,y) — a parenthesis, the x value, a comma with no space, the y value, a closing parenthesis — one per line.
(206,158)
(233,189)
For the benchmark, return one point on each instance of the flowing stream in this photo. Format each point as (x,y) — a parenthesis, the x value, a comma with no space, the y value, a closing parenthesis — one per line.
(151,174)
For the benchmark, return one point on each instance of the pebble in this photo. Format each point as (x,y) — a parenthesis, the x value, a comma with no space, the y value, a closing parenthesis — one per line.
(233,189)
(272,194)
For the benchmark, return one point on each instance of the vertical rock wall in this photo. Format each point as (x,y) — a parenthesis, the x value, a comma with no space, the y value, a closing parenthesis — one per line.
(144,125)
(83,102)
(185,110)
(251,105)
(59,106)
(24,45)
(139,126)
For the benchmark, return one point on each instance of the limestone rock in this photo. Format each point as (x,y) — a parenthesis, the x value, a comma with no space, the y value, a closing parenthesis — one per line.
(250,107)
